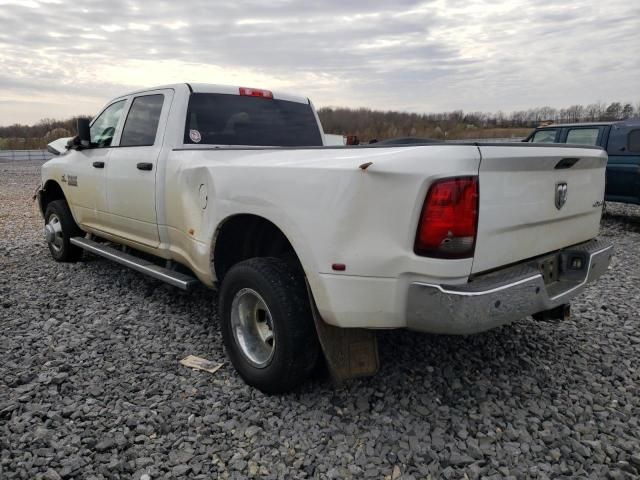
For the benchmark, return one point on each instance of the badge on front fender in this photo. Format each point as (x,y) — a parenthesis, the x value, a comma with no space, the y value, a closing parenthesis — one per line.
(71,180)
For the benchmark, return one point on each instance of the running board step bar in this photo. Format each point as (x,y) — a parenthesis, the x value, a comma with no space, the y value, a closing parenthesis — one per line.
(177,279)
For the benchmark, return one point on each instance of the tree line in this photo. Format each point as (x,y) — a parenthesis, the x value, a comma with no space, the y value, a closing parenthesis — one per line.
(17,136)
(370,124)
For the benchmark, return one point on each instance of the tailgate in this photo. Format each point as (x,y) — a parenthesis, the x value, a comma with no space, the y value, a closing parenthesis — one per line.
(536,199)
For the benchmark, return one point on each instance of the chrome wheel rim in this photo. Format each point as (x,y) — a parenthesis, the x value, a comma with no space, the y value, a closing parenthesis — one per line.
(53,233)
(252,326)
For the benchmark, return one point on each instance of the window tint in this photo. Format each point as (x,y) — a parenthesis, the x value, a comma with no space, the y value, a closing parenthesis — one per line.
(583,136)
(219,119)
(633,141)
(544,136)
(142,122)
(104,127)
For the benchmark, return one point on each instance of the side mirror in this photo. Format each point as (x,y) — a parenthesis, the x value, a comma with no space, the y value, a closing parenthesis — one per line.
(84,133)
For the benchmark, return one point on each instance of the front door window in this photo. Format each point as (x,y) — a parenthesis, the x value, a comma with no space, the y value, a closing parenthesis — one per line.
(103,128)
(545,136)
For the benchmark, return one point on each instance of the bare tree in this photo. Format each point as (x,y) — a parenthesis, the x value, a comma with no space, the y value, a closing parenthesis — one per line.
(627,111)
(614,111)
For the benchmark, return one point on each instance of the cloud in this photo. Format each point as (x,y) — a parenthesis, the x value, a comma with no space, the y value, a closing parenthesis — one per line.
(419,56)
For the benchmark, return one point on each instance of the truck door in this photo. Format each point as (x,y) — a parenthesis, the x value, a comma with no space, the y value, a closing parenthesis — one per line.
(132,168)
(84,173)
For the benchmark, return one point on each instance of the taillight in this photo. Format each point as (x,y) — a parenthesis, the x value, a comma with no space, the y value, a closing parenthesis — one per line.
(255,92)
(449,220)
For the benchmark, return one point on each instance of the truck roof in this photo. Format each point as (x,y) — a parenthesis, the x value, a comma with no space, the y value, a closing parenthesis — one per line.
(629,121)
(223,89)
(576,124)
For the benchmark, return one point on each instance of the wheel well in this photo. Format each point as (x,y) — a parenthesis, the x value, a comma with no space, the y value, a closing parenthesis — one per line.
(50,192)
(247,236)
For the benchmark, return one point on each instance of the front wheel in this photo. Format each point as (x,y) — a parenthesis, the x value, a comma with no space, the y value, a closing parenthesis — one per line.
(267,325)
(58,229)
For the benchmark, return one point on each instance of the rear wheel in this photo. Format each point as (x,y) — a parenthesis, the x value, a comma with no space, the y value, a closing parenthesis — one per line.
(58,230)
(266,323)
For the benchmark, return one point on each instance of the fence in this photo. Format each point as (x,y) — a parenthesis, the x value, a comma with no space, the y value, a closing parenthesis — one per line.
(42,155)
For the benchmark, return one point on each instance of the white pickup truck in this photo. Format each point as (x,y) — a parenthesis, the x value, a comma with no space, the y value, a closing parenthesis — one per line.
(313,247)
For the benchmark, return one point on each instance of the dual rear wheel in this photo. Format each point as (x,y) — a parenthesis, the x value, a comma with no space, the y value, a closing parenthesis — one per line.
(267,324)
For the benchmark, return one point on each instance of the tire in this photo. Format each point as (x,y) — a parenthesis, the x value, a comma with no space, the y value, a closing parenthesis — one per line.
(57,212)
(271,293)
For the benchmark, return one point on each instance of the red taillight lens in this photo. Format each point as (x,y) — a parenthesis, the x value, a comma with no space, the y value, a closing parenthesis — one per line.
(449,219)
(255,92)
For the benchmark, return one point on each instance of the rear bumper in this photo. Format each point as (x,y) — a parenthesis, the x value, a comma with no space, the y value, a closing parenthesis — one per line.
(501,297)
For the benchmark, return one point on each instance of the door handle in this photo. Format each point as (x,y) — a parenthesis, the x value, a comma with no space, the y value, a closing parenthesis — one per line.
(145,166)
(98,164)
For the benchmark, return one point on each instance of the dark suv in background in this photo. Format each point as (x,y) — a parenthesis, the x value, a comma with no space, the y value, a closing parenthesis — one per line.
(621,140)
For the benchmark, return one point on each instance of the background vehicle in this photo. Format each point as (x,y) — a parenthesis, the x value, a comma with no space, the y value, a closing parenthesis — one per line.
(621,140)
(312,247)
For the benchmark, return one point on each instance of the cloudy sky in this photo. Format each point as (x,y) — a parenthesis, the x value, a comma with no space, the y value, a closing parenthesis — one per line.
(61,58)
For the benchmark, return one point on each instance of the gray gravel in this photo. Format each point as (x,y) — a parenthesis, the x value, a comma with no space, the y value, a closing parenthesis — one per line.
(91,388)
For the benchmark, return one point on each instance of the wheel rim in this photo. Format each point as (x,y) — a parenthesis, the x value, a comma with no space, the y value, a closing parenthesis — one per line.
(53,233)
(252,326)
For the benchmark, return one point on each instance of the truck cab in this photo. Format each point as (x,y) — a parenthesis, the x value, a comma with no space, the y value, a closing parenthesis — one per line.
(621,140)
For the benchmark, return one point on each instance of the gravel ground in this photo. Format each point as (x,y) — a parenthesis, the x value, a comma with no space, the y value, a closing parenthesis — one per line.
(91,387)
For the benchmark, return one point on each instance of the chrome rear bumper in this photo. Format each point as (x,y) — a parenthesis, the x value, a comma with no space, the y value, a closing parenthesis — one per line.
(501,297)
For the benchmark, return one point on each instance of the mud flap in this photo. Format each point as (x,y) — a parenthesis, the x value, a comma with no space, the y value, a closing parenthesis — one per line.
(349,352)
(38,200)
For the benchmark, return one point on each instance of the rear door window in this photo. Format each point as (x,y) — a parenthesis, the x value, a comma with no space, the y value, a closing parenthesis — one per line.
(222,119)
(545,136)
(583,136)
(142,121)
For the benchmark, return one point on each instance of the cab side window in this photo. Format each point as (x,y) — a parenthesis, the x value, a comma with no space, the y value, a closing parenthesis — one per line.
(142,121)
(633,141)
(545,136)
(104,127)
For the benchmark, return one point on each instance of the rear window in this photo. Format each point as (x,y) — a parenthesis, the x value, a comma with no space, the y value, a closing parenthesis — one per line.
(544,136)
(220,119)
(583,136)
(633,141)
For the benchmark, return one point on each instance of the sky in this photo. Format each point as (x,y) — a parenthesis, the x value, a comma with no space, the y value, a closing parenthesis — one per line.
(61,58)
